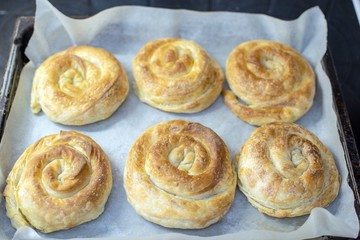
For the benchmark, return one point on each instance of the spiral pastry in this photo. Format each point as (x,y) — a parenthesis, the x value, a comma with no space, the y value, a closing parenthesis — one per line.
(179,175)
(285,171)
(273,81)
(59,182)
(79,85)
(176,75)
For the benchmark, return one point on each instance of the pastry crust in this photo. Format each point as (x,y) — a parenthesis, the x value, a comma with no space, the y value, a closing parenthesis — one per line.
(176,75)
(59,182)
(79,85)
(179,175)
(274,82)
(285,170)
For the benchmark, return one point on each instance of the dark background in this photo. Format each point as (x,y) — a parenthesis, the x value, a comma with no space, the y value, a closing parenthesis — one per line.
(343,30)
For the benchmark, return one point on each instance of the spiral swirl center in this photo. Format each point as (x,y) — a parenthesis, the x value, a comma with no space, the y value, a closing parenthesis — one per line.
(294,155)
(171,61)
(179,165)
(65,173)
(182,157)
(190,158)
(76,75)
(268,63)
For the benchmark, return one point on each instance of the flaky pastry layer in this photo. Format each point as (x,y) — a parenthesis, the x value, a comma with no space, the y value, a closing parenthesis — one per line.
(79,85)
(179,175)
(285,170)
(176,75)
(269,82)
(59,182)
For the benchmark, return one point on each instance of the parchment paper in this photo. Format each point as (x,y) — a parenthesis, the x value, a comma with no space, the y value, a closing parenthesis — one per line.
(123,31)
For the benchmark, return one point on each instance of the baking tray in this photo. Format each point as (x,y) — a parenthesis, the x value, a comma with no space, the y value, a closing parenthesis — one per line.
(24,28)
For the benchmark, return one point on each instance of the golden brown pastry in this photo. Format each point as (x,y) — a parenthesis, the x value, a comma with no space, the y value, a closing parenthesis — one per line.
(285,171)
(59,182)
(79,85)
(179,175)
(176,75)
(274,82)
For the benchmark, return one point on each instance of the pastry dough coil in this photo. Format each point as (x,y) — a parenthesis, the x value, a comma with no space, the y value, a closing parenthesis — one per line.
(179,175)
(269,82)
(59,182)
(286,171)
(79,85)
(176,75)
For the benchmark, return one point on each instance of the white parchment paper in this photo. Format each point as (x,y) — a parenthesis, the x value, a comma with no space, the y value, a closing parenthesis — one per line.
(123,31)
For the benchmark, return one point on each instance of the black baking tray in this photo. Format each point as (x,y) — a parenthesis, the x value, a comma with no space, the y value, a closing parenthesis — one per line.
(24,28)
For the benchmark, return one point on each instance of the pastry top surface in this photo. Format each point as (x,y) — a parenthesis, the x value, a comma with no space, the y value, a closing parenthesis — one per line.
(268,82)
(59,182)
(80,85)
(178,174)
(285,170)
(176,75)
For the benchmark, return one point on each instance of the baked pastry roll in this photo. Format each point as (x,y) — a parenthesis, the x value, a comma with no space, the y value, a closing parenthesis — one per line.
(179,175)
(59,182)
(79,85)
(285,170)
(269,82)
(176,75)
